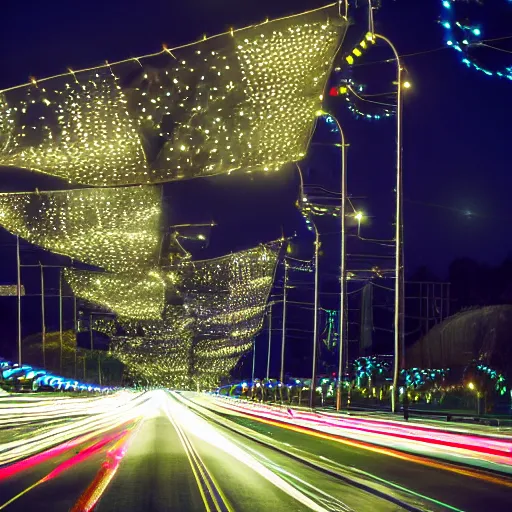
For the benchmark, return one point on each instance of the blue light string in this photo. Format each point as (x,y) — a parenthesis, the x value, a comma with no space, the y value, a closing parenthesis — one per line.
(472,35)
(40,377)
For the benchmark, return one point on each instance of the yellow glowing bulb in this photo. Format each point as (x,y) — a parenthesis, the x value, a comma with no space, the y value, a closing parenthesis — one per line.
(407,85)
(358,216)
(471,386)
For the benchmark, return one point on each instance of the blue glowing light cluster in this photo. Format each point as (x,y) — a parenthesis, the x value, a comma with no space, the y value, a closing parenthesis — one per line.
(462,37)
(499,381)
(42,379)
(374,367)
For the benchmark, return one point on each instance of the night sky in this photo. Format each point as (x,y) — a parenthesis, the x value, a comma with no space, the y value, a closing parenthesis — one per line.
(456,122)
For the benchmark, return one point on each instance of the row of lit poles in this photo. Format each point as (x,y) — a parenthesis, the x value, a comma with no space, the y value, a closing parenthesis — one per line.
(399,268)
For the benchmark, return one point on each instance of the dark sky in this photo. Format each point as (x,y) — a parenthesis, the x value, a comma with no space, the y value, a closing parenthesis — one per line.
(456,124)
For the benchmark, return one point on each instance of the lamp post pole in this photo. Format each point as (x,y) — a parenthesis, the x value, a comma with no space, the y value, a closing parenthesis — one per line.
(269,339)
(343,257)
(61,335)
(312,389)
(253,359)
(399,268)
(18,290)
(283,337)
(43,322)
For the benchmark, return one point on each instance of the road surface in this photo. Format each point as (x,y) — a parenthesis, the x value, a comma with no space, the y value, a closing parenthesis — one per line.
(161,451)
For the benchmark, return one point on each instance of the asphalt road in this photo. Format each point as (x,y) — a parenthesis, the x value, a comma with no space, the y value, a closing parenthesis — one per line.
(438,484)
(171,457)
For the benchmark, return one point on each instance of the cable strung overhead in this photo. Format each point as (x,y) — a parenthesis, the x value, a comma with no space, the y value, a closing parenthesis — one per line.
(241,100)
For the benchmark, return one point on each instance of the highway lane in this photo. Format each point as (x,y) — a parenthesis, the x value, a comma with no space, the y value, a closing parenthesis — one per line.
(166,457)
(439,483)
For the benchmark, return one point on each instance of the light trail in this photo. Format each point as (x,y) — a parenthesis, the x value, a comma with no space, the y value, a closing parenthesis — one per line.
(340,436)
(204,431)
(341,426)
(94,492)
(80,457)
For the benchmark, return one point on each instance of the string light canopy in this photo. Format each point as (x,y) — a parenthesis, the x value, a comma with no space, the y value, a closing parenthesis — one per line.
(227,297)
(140,297)
(223,308)
(465,36)
(155,362)
(117,229)
(241,100)
(230,291)
(155,352)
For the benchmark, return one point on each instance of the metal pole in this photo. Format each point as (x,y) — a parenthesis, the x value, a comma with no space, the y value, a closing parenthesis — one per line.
(253,359)
(60,320)
(283,339)
(343,271)
(18,292)
(43,323)
(269,339)
(90,334)
(398,232)
(76,335)
(312,389)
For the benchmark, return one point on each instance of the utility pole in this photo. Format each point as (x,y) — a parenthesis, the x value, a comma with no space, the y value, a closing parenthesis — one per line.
(269,315)
(43,322)
(312,389)
(283,338)
(18,289)
(75,327)
(61,337)
(253,359)
(399,268)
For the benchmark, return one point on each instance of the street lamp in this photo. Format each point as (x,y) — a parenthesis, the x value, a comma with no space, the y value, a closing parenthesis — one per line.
(359,217)
(343,272)
(398,343)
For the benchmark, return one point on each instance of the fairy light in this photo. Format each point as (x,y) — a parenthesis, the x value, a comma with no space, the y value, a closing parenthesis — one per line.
(242,100)
(140,297)
(463,37)
(351,92)
(198,342)
(117,229)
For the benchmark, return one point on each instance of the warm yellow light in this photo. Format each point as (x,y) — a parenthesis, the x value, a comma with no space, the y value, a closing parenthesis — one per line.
(359,216)
(407,85)
(471,386)
(96,132)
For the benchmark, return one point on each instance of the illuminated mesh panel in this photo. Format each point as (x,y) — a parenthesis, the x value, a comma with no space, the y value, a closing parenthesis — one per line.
(117,229)
(174,320)
(227,297)
(214,363)
(6,122)
(245,100)
(156,352)
(155,362)
(140,297)
(79,130)
(232,291)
